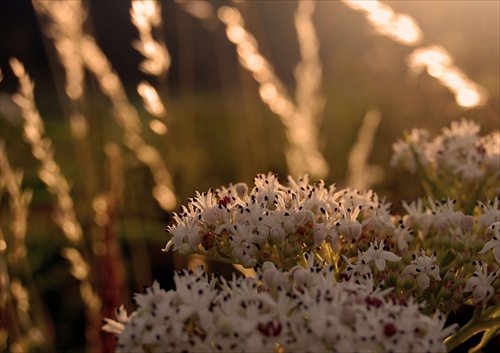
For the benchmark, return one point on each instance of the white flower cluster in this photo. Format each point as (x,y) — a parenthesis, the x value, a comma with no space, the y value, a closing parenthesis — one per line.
(302,310)
(352,230)
(458,149)
(396,277)
(251,226)
(457,156)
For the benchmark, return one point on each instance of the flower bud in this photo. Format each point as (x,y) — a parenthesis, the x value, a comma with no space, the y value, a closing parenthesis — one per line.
(248,261)
(276,235)
(458,245)
(394,265)
(458,296)
(446,293)
(209,215)
(433,287)
(391,279)
(300,217)
(477,245)
(353,251)
(460,282)
(456,218)
(296,251)
(450,275)
(467,223)
(241,189)
(288,226)
(401,281)
(308,240)
(185,249)
(350,229)
(288,249)
(405,282)
(466,256)
(446,241)
(407,259)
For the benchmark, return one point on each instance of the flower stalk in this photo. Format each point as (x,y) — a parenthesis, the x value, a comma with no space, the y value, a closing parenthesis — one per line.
(481,322)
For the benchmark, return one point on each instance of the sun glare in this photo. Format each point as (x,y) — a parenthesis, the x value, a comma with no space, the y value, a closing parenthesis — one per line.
(434,59)
(399,27)
(439,64)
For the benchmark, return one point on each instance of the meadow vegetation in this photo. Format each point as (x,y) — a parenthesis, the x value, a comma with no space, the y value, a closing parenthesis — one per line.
(130,118)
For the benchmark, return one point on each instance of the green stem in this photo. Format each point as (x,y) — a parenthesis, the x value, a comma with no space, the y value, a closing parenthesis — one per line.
(472,328)
(446,262)
(487,337)
(281,256)
(430,188)
(469,207)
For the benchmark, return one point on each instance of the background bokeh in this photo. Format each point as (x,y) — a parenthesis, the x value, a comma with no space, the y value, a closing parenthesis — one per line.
(219,130)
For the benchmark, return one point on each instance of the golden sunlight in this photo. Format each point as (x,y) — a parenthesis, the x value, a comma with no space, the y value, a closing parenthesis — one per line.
(152,101)
(158,127)
(401,28)
(439,64)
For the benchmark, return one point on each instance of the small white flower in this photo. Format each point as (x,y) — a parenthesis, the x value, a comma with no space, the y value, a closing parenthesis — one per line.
(445,215)
(490,212)
(491,146)
(403,155)
(461,135)
(423,266)
(494,243)
(359,273)
(274,277)
(403,235)
(185,231)
(378,254)
(206,202)
(348,226)
(267,189)
(480,283)
(417,215)
(117,327)
(469,170)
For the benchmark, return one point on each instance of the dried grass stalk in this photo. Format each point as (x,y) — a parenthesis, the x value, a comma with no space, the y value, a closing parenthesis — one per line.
(95,61)
(43,150)
(11,180)
(18,331)
(66,30)
(300,121)
(128,119)
(146,15)
(360,175)
(57,185)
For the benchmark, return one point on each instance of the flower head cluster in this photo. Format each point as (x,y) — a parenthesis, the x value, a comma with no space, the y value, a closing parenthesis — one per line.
(299,310)
(272,222)
(354,231)
(336,271)
(458,159)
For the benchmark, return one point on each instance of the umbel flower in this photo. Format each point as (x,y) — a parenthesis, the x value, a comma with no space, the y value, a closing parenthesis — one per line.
(206,313)
(494,243)
(458,161)
(423,267)
(335,270)
(480,283)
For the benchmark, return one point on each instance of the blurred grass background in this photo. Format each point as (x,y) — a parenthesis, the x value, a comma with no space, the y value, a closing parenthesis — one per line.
(219,131)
